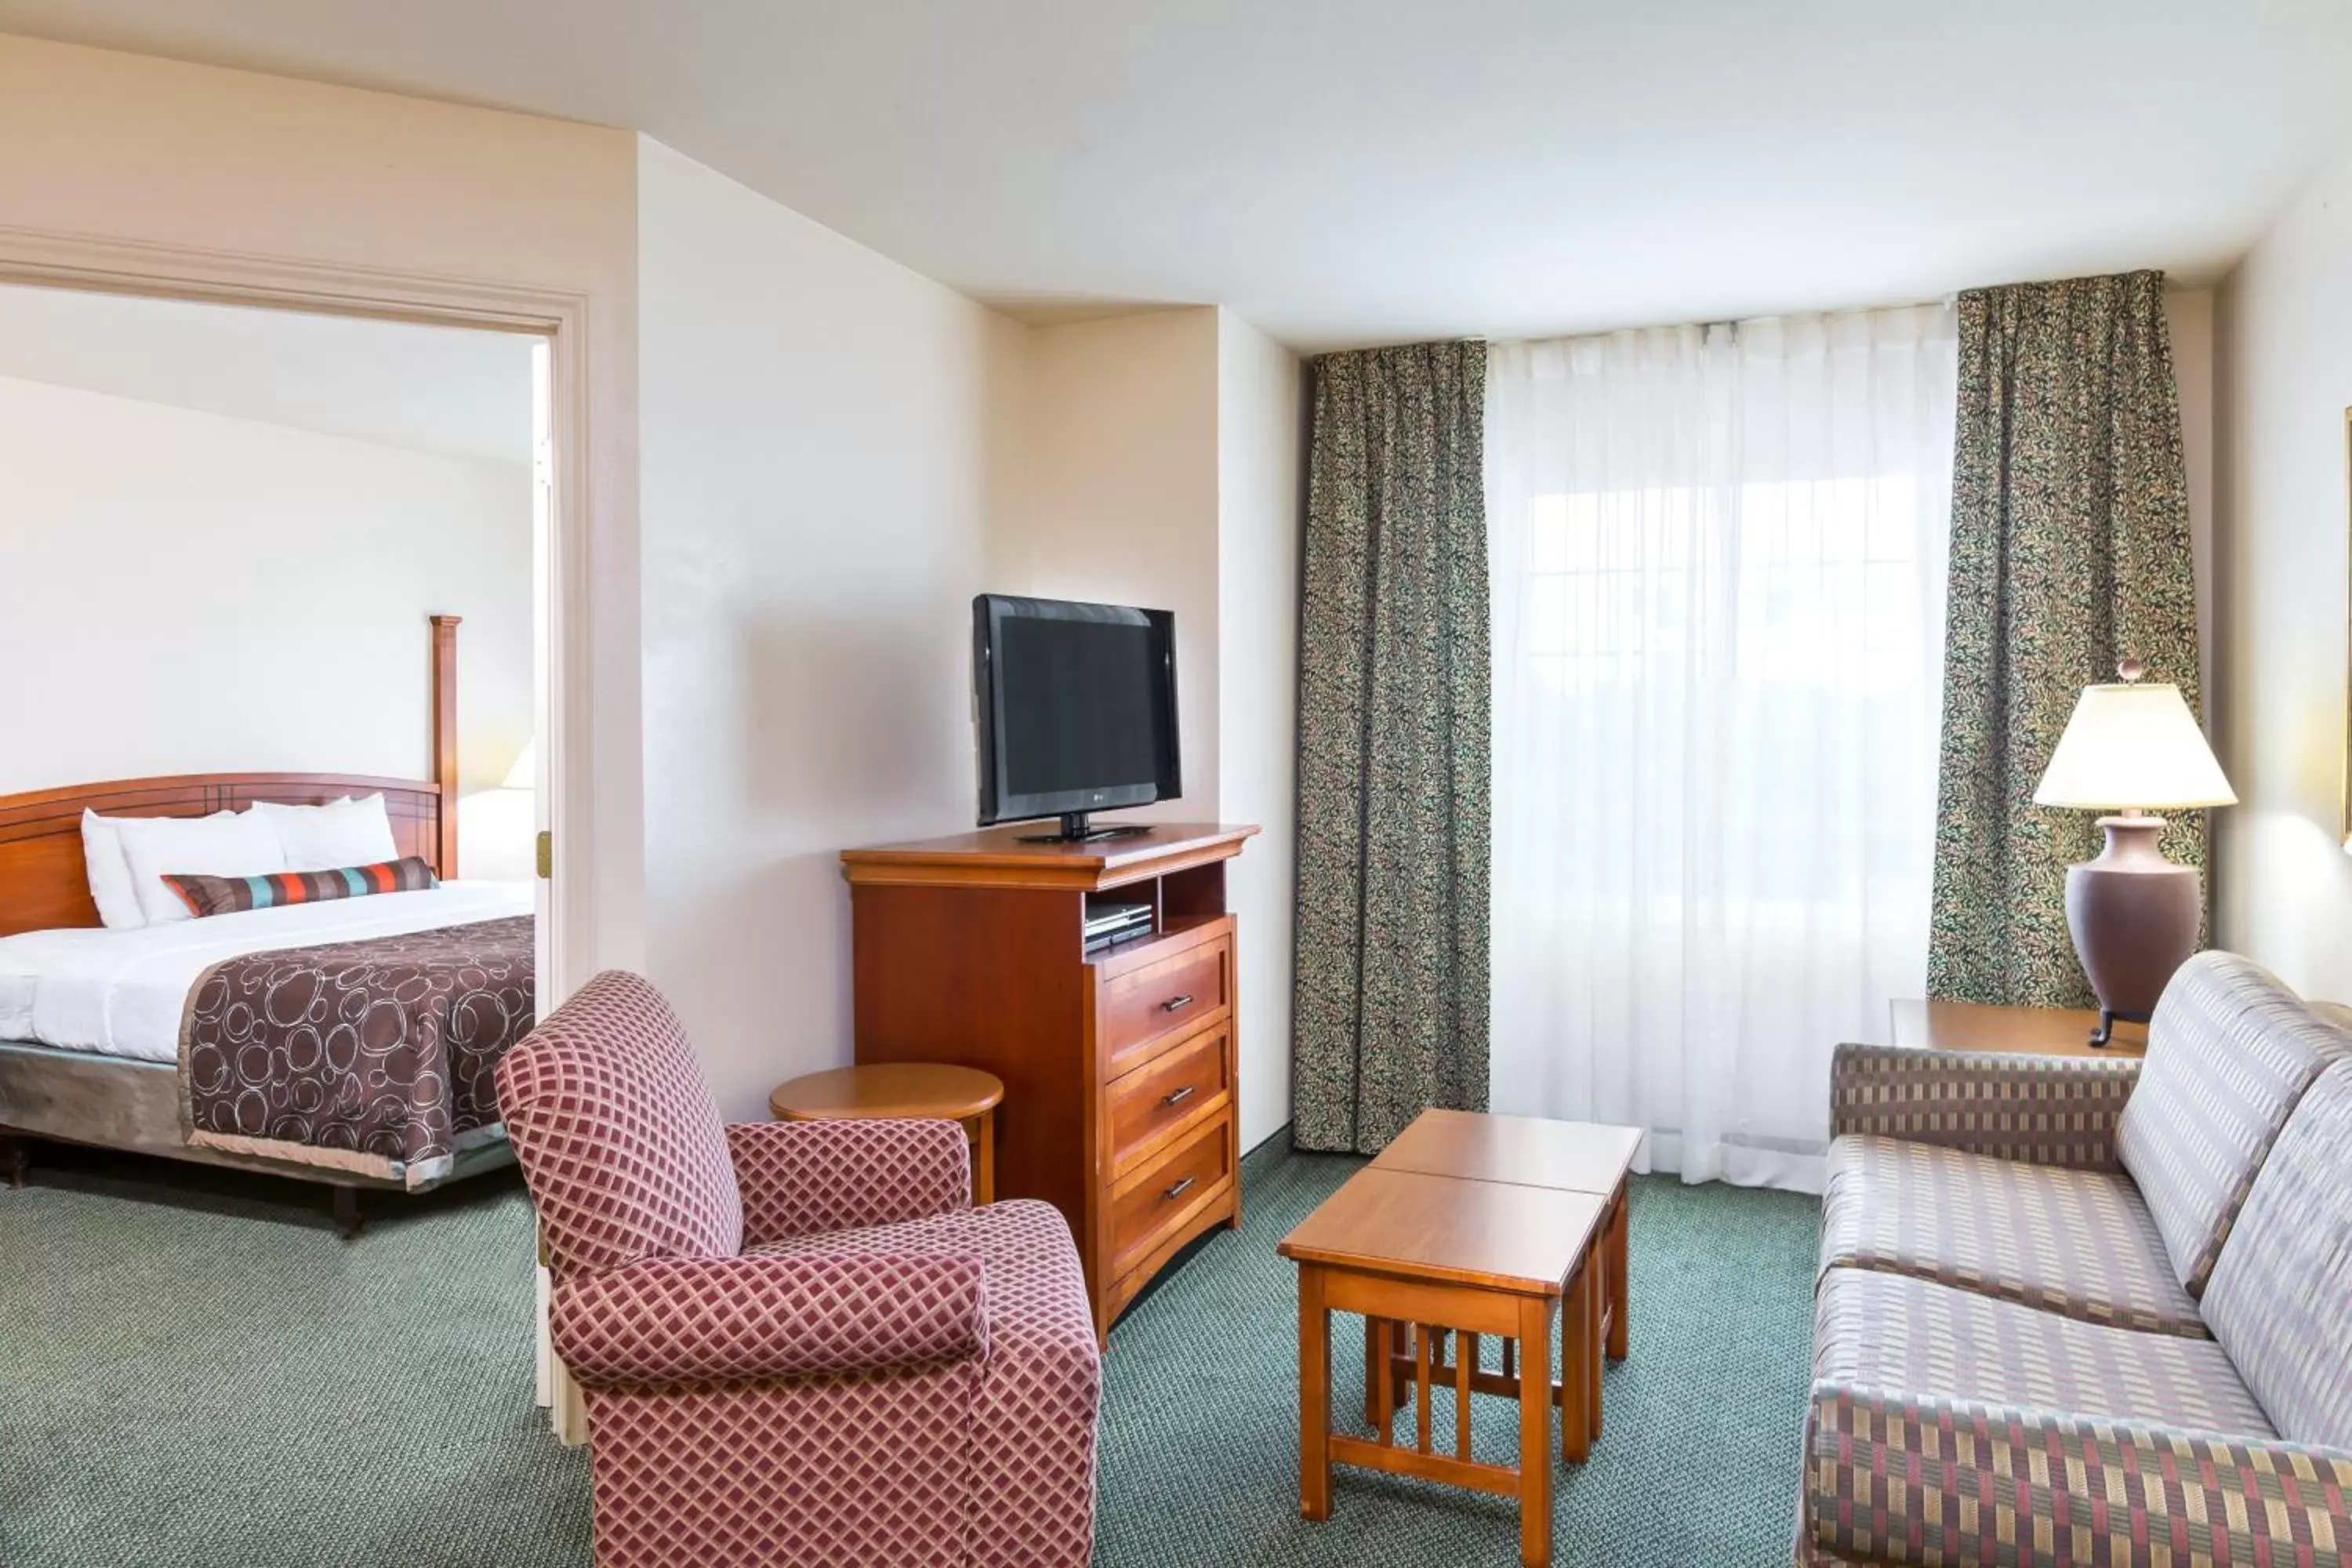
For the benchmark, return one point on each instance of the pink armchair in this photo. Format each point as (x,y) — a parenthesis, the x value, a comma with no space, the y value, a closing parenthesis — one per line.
(799,1343)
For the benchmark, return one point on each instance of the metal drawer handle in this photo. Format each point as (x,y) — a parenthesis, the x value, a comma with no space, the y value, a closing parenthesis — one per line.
(1180,1097)
(1177,1191)
(1176,1003)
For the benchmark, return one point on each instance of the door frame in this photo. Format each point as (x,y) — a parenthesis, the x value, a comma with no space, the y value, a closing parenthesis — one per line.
(51,259)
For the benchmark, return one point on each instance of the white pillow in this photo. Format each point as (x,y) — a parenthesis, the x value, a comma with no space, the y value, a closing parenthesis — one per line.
(329,837)
(225,844)
(110,873)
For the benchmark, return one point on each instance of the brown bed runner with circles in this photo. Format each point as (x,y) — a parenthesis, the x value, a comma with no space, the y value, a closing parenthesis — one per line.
(373,1056)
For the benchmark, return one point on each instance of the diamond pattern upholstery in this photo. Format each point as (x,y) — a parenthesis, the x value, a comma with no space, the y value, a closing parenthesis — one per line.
(617,1137)
(883,1376)
(680,1319)
(799,1176)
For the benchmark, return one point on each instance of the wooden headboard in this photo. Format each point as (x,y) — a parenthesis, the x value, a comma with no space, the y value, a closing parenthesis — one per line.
(44,884)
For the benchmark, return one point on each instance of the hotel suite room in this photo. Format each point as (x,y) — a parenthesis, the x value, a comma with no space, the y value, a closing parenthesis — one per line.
(545,1014)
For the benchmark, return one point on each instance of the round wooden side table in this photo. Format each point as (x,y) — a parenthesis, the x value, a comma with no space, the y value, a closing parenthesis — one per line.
(883,1091)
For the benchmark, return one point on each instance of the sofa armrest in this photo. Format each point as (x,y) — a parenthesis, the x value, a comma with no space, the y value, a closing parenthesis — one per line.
(2050,1110)
(808,1314)
(798,1178)
(1898,1480)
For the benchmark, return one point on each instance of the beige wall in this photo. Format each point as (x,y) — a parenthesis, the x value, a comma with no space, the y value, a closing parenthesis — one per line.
(129,148)
(1119,500)
(1160,466)
(1260,494)
(841,453)
(818,470)
(2283,380)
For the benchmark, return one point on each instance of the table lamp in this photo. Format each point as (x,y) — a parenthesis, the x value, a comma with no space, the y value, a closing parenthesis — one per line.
(2135,749)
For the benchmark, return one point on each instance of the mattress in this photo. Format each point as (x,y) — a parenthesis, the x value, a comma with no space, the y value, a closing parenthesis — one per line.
(121,993)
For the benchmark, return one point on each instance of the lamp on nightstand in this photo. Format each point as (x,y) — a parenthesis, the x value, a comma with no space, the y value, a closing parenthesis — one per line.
(2136,748)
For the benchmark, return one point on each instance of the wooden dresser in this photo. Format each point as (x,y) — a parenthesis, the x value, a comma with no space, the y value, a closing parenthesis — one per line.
(1119,1096)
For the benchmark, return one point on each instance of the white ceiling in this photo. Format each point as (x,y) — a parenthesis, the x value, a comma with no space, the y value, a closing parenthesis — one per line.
(430,389)
(1359,170)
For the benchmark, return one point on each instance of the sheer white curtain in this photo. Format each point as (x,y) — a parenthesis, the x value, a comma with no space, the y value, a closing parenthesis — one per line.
(1718,570)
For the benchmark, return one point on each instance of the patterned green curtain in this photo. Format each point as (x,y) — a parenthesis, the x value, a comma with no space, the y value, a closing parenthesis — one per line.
(1391,998)
(2069,549)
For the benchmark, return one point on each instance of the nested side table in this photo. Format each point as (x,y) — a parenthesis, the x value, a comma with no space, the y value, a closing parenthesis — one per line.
(884,1092)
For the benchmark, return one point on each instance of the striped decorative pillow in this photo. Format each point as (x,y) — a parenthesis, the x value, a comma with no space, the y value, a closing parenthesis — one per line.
(227,895)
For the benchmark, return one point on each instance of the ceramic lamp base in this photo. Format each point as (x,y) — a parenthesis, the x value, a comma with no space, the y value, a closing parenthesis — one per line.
(2134,915)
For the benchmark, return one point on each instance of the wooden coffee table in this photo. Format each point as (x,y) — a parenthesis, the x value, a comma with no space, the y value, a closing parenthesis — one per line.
(1447,1253)
(1534,1152)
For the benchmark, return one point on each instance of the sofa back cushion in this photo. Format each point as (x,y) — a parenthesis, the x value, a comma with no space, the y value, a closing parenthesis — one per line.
(2280,1298)
(619,1142)
(2229,1052)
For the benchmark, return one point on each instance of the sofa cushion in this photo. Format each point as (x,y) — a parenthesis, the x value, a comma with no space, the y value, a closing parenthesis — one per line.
(2281,1299)
(1922,1339)
(2229,1053)
(2077,1242)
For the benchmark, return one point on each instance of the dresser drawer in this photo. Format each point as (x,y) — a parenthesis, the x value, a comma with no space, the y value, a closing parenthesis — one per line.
(1162,1195)
(1146,1008)
(1172,1088)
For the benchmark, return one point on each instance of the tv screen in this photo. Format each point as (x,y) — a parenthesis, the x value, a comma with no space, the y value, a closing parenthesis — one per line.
(1077,707)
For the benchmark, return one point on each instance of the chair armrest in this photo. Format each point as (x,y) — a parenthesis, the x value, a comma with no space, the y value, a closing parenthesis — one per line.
(813,1314)
(1893,1479)
(2050,1110)
(798,1178)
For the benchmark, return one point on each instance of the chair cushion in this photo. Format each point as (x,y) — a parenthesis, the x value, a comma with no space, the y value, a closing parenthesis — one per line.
(2229,1053)
(1033,1425)
(619,1139)
(2078,1242)
(1912,1336)
(2280,1298)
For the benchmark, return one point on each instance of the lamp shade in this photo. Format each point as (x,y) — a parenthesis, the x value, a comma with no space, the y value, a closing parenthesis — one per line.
(524,775)
(2136,745)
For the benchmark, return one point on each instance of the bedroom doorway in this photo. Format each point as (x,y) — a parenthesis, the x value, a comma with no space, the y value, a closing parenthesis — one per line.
(549,774)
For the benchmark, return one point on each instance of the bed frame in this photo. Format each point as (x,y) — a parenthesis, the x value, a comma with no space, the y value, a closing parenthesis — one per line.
(76,1096)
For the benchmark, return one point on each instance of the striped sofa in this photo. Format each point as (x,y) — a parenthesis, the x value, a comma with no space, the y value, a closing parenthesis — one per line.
(2086,1313)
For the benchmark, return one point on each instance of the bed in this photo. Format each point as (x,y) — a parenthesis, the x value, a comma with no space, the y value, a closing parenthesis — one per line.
(348,1042)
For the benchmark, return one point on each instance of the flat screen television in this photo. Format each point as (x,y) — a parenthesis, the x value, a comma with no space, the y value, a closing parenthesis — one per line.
(1076,710)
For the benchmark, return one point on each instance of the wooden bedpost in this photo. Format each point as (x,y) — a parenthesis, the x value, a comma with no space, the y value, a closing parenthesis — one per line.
(445,741)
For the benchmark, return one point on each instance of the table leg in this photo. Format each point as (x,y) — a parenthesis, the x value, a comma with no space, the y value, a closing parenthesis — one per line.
(1619,1279)
(1535,1432)
(1314,1396)
(983,1175)
(1597,1289)
(1575,1369)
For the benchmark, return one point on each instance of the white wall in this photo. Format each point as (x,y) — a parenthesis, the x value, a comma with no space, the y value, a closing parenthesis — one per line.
(1118,500)
(163,152)
(169,558)
(1260,497)
(818,468)
(2284,377)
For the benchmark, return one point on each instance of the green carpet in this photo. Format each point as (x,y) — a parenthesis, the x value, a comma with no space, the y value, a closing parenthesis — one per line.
(195,1369)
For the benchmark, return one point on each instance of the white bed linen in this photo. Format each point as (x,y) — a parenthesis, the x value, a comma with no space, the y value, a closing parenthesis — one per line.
(121,993)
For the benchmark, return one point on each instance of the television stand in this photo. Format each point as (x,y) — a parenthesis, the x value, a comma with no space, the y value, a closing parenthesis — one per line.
(1118,1065)
(1076,829)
